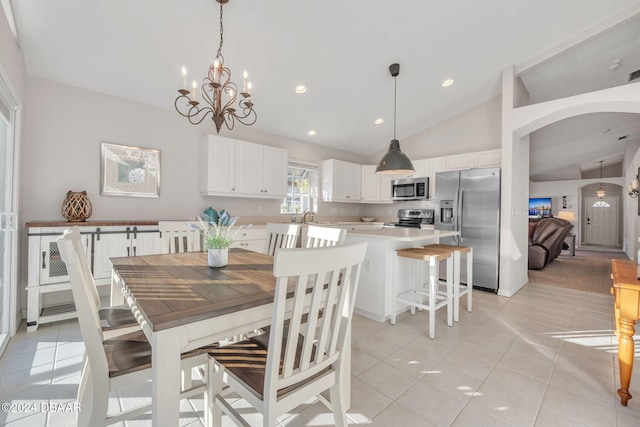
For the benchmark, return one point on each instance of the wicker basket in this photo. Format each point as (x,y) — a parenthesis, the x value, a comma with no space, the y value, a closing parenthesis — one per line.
(76,206)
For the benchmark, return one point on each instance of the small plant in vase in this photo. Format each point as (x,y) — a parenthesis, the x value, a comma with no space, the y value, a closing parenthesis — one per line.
(218,237)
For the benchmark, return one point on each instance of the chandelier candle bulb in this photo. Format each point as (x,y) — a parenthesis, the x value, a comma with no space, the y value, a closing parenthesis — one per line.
(244,86)
(195,86)
(249,88)
(184,78)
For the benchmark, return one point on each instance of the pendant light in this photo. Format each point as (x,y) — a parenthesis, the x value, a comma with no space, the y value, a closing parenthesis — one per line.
(600,192)
(395,161)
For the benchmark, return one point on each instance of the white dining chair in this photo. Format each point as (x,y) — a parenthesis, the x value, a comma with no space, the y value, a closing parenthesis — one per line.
(318,237)
(280,236)
(302,355)
(114,363)
(179,236)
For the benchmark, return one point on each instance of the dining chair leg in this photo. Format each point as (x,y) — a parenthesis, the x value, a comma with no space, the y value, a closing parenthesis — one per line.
(99,404)
(433,291)
(338,405)
(85,398)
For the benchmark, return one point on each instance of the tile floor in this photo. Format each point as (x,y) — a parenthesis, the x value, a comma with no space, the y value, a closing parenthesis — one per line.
(545,357)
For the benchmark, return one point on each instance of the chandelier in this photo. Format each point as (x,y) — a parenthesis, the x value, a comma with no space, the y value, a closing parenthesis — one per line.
(218,94)
(601,192)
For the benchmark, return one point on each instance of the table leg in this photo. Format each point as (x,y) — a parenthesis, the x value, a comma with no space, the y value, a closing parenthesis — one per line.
(626,330)
(116,291)
(165,386)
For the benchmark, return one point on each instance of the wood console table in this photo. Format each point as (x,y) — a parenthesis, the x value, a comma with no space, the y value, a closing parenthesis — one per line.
(626,288)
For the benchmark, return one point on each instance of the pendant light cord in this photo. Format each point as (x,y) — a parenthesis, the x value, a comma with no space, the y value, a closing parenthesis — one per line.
(395,100)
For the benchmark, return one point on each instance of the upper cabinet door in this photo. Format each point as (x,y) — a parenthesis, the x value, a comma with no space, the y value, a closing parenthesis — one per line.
(217,164)
(370,184)
(248,167)
(274,176)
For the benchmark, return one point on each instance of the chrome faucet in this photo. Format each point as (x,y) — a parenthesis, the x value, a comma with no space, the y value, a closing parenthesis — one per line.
(304,216)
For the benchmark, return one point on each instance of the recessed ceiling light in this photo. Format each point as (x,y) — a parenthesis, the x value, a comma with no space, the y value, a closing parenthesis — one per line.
(378,121)
(312,132)
(615,65)
(300,89)
(447,83)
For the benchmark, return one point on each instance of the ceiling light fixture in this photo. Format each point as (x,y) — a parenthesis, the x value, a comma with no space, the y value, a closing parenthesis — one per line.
(447,83)
(394,161)
(600,192)
(312,132)
(300,89)
(219,93)
(378,121)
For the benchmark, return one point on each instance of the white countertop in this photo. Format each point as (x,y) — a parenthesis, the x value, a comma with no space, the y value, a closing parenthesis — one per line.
(403,234)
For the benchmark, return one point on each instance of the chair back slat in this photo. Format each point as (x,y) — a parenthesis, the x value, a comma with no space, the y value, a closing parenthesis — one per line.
(323,282)
(280,236)
(179,236)
(318,237)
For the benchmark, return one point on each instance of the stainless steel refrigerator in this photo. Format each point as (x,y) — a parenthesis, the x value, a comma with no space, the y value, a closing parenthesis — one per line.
(468,201)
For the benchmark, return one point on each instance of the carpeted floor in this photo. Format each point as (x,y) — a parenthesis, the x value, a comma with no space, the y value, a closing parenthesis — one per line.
(587,271)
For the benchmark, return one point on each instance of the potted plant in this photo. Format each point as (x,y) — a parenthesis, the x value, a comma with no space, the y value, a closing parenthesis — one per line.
(218,237)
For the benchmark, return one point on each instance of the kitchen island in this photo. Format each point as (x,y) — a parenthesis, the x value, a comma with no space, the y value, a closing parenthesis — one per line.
(382,268)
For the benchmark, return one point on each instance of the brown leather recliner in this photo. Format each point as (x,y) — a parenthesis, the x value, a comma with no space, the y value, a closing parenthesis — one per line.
(545,243)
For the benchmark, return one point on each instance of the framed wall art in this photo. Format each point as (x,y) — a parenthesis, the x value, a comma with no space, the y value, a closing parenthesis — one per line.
(129,171)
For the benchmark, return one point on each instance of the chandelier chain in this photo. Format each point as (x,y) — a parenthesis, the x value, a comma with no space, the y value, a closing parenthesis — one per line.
(221,32)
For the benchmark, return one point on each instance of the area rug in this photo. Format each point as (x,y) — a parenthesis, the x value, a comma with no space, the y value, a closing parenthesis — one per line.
(587,271)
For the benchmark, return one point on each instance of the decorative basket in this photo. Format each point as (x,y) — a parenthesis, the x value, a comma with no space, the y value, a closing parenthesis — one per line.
(76,206)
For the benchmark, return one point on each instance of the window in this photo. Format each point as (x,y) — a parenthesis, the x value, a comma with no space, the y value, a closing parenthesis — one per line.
(601,204)
(302,188)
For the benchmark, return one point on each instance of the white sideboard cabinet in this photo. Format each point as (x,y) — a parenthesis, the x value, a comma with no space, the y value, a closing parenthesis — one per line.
(47,273)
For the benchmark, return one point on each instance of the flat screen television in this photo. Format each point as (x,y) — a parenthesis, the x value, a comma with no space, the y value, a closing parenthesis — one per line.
(539,206)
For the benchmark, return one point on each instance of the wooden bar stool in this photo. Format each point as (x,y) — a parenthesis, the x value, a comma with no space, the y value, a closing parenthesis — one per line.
(460,289)
(414,297)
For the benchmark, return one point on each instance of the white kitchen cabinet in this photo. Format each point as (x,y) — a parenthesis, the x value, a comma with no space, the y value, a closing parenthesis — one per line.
(421,169)
(47,274)
(251,239)
(237,168)
(488,159)
(375,188)
(460,161)
(341,181)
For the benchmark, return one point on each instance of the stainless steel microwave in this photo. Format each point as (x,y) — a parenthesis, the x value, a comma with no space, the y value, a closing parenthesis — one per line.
(410,189)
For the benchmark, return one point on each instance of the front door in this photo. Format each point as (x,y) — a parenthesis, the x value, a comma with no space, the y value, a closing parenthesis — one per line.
(601,221)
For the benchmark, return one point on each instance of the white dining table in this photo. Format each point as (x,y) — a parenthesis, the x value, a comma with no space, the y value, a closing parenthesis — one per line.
(182,304)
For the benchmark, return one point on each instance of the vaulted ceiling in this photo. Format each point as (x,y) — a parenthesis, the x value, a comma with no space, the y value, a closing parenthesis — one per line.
(341,51)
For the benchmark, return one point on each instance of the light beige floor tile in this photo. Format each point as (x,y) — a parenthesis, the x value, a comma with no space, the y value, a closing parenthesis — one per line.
(366,402)
(549,418)
(504,405)
(531,350)
(386,379)
(377,348)
(452,382)
(517,384)
(466,363)
(534,368)
(576,407)
(396,415)
(474,417)
(410,362)
(395,335)
(361,361)
(432,404)
(584,385)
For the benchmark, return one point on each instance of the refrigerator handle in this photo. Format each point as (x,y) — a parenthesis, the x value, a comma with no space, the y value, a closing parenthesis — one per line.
(460,207)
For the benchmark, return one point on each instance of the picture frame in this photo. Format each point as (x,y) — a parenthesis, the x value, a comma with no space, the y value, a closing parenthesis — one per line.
(129,171)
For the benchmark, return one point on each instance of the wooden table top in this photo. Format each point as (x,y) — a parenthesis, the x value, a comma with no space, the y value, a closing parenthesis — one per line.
(625,274)
(177,289)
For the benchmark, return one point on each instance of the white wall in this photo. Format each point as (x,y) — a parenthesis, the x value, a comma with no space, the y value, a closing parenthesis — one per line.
(65,126)
(476,129)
